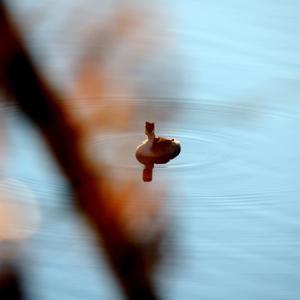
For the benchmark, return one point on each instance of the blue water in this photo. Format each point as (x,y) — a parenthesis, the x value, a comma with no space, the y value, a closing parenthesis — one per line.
(225,83)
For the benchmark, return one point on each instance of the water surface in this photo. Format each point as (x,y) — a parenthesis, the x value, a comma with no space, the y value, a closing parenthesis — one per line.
(233,192)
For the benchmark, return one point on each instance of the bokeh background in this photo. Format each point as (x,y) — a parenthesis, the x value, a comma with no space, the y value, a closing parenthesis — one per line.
(220,76)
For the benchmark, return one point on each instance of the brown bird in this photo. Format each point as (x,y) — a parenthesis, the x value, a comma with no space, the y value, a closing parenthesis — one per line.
(155,150)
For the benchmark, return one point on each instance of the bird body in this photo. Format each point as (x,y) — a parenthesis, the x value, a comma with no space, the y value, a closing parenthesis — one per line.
(155,150)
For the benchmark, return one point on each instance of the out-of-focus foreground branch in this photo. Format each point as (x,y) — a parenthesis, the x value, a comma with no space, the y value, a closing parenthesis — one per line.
(131,262)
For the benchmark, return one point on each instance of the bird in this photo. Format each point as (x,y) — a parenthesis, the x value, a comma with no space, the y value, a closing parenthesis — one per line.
(155,150)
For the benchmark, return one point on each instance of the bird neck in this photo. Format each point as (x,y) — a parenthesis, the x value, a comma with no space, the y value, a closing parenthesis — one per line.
(151,136)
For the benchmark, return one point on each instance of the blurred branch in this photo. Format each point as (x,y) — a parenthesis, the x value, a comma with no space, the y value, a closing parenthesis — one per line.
(131,262)
(10,284)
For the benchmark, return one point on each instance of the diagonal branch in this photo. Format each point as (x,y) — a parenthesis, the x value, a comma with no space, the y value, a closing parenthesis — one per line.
(19,78)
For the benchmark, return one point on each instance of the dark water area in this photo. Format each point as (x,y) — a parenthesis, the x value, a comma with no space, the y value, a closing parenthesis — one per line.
(231,197)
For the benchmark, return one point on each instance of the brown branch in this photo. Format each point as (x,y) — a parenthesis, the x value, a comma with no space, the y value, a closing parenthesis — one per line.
(19,78)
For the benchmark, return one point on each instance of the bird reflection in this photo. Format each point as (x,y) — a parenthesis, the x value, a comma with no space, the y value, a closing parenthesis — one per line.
(155,150)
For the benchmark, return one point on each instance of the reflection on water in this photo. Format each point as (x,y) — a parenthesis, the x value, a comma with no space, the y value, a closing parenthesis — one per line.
(231,197)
